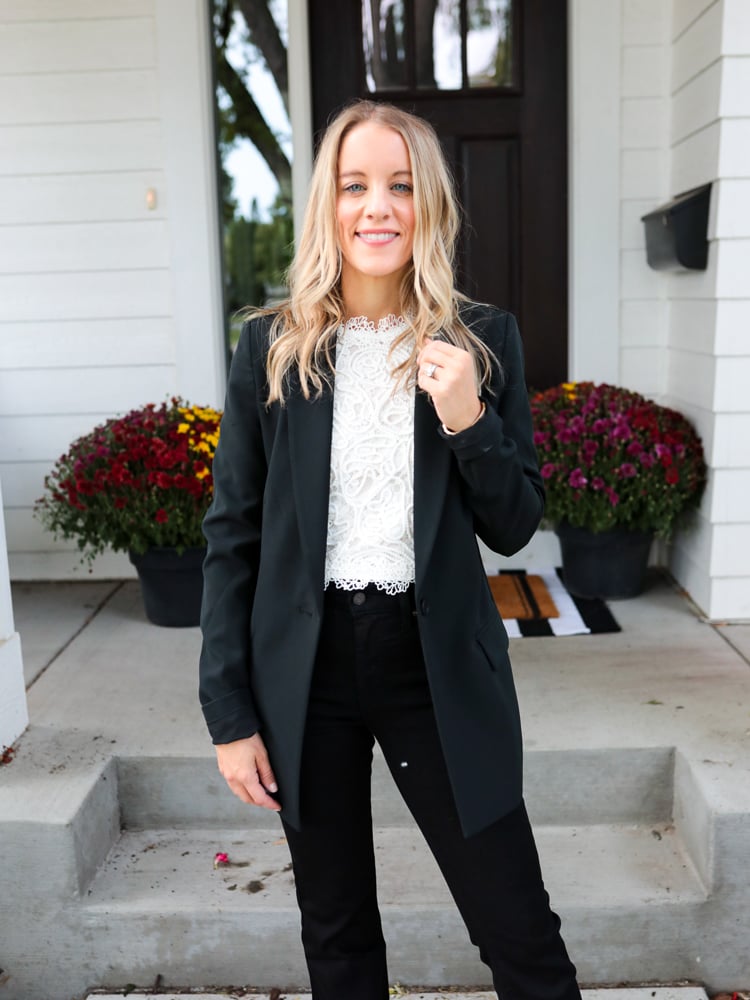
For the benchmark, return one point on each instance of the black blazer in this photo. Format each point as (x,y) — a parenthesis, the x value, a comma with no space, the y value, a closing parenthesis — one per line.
(264,568)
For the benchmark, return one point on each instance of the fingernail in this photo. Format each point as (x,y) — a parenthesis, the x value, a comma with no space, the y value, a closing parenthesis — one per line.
(273,787)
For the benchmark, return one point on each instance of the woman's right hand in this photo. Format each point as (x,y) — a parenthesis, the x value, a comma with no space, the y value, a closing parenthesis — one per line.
(245,766)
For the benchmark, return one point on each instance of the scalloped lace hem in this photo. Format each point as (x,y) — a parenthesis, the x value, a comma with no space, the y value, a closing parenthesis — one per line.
(388,325)
(389,586)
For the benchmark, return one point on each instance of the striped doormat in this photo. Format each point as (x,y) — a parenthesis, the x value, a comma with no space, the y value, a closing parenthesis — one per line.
(537,604)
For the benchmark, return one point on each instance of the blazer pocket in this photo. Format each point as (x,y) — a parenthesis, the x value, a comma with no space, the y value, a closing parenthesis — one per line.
(493,641)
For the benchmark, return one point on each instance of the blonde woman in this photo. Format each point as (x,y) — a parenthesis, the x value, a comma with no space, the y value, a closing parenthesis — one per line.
(374,424)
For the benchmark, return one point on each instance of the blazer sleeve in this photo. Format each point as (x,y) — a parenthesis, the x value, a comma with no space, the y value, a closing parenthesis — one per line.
(232,530)
(496,456)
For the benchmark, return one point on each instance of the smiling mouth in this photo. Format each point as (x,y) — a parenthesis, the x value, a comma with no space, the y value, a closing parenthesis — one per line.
(377,237)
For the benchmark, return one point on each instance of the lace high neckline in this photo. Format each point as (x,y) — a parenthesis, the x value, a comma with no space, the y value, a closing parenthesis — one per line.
(388,325)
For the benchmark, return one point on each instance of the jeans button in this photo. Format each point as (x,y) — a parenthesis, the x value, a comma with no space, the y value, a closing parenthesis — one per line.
(359,599)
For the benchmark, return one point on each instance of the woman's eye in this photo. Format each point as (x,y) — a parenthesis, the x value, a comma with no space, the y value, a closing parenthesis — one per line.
(403,188)
(354,188)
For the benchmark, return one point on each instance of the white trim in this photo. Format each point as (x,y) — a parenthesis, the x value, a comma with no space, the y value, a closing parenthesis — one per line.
(14,715)
(186,94)
(300,108)
(594,57)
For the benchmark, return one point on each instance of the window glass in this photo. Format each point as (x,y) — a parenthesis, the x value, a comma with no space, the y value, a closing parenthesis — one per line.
(489,49)
(438,44)
(255,150)
(384,41)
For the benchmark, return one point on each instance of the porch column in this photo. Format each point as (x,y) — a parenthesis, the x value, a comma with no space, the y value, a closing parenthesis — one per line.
(14,716)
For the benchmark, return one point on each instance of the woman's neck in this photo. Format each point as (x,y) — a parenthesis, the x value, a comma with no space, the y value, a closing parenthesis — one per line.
(374,298)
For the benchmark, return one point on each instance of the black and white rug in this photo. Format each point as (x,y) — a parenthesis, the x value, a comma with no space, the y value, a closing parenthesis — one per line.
(575,615)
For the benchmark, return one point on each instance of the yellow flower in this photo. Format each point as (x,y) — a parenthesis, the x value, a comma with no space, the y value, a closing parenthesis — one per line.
(183,428)
(202,474)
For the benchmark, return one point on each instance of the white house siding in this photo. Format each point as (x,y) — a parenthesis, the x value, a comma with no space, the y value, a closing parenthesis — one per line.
(644,183)
(105,188)
(708,348)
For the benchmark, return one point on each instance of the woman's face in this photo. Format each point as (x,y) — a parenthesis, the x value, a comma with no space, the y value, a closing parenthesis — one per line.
(375,202)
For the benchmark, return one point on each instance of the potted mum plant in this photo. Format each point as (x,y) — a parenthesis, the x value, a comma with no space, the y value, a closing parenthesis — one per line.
(619,469)
(141,484)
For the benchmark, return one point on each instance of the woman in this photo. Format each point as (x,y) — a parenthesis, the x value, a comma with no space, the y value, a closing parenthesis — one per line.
(373,425)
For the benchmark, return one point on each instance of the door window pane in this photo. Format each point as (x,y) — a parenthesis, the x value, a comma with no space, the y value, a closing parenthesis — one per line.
(438,44)
(489,49)
(384,41)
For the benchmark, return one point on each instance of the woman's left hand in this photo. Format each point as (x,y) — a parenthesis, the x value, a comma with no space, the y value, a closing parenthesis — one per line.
(452,386)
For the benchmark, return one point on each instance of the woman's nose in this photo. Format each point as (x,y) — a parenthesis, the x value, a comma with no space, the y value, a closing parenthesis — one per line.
(378,202)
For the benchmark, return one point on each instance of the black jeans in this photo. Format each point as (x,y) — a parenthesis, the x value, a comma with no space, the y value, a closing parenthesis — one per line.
(370,683)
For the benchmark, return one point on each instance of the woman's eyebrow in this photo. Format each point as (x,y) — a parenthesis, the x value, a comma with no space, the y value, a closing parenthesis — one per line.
(361,173)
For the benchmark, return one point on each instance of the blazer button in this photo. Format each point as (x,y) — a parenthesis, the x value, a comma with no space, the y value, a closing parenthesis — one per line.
(424,607)
(359,599)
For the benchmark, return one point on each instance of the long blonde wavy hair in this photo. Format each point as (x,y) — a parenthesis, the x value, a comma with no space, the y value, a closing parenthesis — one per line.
(303,332)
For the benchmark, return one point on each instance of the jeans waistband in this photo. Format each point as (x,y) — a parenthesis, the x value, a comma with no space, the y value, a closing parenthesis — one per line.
(371,600)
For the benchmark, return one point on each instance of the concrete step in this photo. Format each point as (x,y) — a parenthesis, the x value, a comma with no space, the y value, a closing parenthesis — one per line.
(562,787)
(637,993)
(158,906)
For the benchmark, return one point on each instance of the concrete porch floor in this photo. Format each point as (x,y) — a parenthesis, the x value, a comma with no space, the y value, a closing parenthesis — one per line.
(638,781)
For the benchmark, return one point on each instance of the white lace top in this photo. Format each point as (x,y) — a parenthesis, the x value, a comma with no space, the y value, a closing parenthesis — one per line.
(371,507)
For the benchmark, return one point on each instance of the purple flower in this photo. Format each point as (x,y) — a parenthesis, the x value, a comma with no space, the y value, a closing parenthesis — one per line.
(627,470)
(540,437)
(613,497)
(597,483)
(602,425)
(577,479)
(646,459)
(622,431)
(547,470)
(634,448)
(577,426)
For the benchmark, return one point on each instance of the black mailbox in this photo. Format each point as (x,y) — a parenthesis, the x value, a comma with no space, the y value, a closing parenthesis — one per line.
(677,232)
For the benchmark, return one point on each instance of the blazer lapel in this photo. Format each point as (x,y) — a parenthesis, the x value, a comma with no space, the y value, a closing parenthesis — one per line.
(310,427)
(432,460)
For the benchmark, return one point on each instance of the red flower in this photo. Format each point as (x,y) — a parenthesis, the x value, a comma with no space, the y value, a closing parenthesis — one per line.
(672,476)
(163,480)
(161,516)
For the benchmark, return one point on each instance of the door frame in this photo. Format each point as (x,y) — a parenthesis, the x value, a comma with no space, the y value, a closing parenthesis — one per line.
(594,95)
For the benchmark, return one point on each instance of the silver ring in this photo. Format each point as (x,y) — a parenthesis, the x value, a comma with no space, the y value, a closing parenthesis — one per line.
(430,370)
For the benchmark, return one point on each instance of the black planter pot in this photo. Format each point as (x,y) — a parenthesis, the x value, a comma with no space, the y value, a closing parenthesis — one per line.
(172,585)
(608,564)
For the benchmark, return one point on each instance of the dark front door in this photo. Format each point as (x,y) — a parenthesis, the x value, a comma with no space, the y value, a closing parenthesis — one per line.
(490,75)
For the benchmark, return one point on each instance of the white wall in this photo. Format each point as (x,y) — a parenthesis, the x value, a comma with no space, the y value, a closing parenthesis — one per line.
(109,287)
(709,349)
(644,184)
